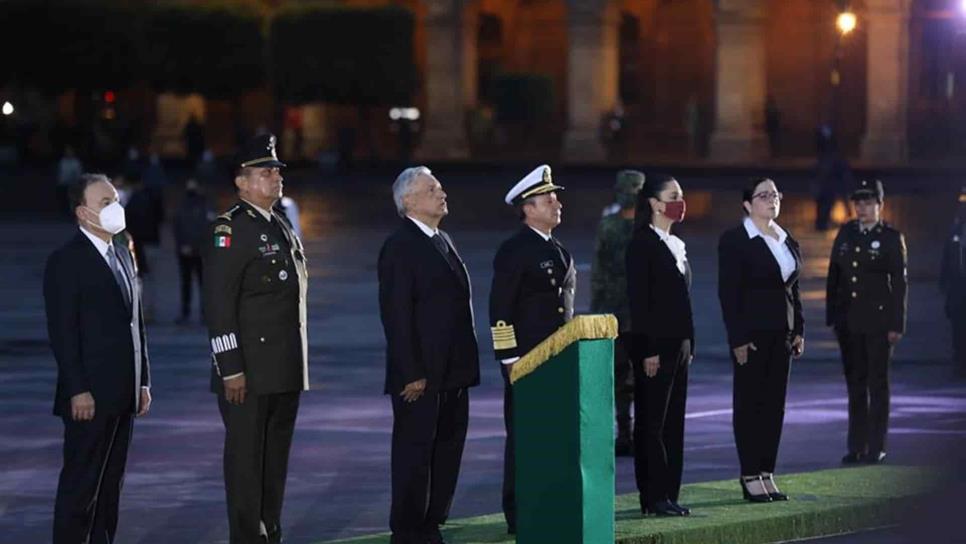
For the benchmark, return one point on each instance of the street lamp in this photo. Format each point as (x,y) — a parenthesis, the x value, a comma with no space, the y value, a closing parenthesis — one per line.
(845,23)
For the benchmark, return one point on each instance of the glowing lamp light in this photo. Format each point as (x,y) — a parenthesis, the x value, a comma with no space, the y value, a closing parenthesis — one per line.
(7,108)
(409,114)
(109,97)
(962,7)
(846,22)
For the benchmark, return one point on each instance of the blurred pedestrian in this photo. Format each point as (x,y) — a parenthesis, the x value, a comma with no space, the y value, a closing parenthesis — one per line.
(190,226)
(759,265)
(608,294)
(952,281)
(144,227)
(194,139)
(866,305)
(290,208)
(833,180)
(69,170)
(208,171)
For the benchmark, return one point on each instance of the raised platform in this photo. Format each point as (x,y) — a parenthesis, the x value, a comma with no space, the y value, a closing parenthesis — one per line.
(822,503)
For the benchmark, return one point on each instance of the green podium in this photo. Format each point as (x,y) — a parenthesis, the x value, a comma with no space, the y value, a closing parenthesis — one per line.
(563,416)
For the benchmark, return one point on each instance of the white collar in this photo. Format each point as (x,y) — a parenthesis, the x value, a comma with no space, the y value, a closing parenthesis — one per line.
(265,213)
(662,234)
(753,230)
(423,227)
(546,237)
(99,244)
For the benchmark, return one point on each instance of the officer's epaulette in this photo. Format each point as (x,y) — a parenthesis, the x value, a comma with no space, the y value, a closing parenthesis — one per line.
(231,213)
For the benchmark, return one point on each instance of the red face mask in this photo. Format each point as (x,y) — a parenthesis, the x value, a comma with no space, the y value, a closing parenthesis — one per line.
(675,210)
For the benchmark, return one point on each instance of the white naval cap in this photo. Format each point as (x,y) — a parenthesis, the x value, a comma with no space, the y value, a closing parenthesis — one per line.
(535,183)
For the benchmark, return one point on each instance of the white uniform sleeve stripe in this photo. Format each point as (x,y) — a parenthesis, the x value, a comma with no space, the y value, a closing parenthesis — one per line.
(221,345)
(234,342)
(214,348)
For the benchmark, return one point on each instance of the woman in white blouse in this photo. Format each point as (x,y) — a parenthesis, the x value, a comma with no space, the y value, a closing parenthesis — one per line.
(758,270)
(662,343)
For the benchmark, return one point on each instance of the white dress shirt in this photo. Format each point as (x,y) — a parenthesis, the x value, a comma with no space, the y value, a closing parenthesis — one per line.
(676,245)
(779,249)
(265,213)
(424,227)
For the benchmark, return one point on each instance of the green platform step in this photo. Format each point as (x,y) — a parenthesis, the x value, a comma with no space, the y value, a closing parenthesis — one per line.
(825,502)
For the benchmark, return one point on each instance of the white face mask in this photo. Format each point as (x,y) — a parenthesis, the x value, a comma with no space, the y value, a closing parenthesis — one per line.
(112,218)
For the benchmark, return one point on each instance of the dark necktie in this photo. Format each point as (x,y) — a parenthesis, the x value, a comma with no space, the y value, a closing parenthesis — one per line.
(121,283)
(451,259)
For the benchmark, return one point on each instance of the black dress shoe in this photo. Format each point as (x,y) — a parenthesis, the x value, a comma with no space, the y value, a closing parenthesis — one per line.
(769,482)
(684,510)
(664,508)
(753,497)
(434,537)
(875,458)
(852,458)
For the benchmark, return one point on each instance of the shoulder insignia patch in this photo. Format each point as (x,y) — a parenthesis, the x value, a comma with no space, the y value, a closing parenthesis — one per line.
(225,229)
(230,214)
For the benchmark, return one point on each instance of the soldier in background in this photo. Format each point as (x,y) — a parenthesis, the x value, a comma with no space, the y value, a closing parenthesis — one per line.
(608,294)
(952,282)
(866,304)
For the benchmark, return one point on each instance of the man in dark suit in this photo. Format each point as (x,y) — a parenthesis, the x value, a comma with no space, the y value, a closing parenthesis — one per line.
(255,306)
(532,295)
(431,357)
(96,330)
(866,305)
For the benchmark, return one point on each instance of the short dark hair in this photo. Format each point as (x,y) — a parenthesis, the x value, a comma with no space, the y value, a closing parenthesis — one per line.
(652,187)
(748,192)
(76,192)
(520,213)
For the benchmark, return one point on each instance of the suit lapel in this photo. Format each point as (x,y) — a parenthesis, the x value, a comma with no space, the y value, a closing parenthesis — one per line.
(101,270)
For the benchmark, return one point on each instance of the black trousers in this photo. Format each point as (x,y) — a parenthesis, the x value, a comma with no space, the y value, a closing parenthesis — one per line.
(659,423)
(866,358)
(623,384)
(190,267)
(760,386)
(509,465)
(427,446)
(258,436)
(89,489)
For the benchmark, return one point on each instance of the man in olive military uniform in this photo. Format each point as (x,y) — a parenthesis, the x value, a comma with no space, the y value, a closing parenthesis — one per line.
(532,295)
(608,294)
(866,304)
(255,307)
(952,282)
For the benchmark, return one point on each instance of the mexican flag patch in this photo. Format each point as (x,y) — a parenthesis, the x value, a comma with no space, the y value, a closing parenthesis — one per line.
(222,241)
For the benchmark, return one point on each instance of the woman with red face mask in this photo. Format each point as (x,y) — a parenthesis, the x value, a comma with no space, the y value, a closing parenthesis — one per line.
(662,343)
(758,270)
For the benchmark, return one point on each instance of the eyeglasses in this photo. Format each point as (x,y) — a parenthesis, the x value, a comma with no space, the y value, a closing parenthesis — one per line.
(768,195)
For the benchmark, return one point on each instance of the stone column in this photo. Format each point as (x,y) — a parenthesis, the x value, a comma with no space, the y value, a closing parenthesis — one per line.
(740,82)
(887,28)
(450,80)
(592,74)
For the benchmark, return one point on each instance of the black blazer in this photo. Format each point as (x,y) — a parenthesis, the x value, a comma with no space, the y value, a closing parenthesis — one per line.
(658,293)
(426,314)
(753,296)
(533,291)
(98,341)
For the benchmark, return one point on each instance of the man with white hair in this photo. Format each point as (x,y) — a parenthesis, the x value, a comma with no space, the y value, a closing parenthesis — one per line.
(431,357)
